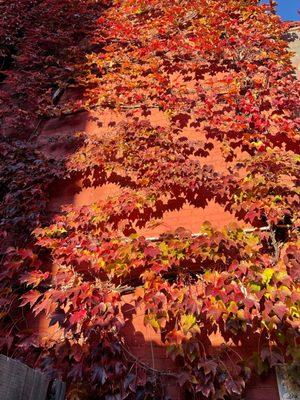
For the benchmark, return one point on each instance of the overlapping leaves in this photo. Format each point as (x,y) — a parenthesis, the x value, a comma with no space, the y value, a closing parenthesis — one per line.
(222,69)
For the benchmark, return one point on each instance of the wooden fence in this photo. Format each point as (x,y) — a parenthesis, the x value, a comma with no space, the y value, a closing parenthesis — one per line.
(19,382)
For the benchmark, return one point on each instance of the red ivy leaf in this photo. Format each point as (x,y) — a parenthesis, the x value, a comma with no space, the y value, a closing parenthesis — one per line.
(34,278)
(26,253)
(151,251)
(43,306)
(77,316)
(30,297)
(280,309)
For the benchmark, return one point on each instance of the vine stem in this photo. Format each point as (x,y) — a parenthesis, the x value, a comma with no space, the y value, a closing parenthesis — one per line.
(227,349)
(198,235)
(96,107)
(247,231)
(275,245)
(36,129)
(147,367)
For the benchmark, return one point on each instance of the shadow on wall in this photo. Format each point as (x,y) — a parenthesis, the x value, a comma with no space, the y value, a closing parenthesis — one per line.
(59,139)
(146,346)
(181,206)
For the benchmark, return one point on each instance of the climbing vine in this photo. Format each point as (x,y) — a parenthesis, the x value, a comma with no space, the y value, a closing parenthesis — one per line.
(220,69)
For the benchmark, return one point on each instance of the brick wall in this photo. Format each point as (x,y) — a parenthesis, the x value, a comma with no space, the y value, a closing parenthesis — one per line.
(144,342)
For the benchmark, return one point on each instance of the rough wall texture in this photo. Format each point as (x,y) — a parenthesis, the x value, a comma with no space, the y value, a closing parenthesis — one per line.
(295,47)
(144,342)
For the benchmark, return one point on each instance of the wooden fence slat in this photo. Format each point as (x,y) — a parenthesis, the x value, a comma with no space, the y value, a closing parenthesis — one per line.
(27,390)
(39,387)
(12,379)
(58,390)
(19,382)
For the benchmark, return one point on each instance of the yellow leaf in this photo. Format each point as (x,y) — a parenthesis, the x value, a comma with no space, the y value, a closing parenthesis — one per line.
(267,275)
(187,322)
